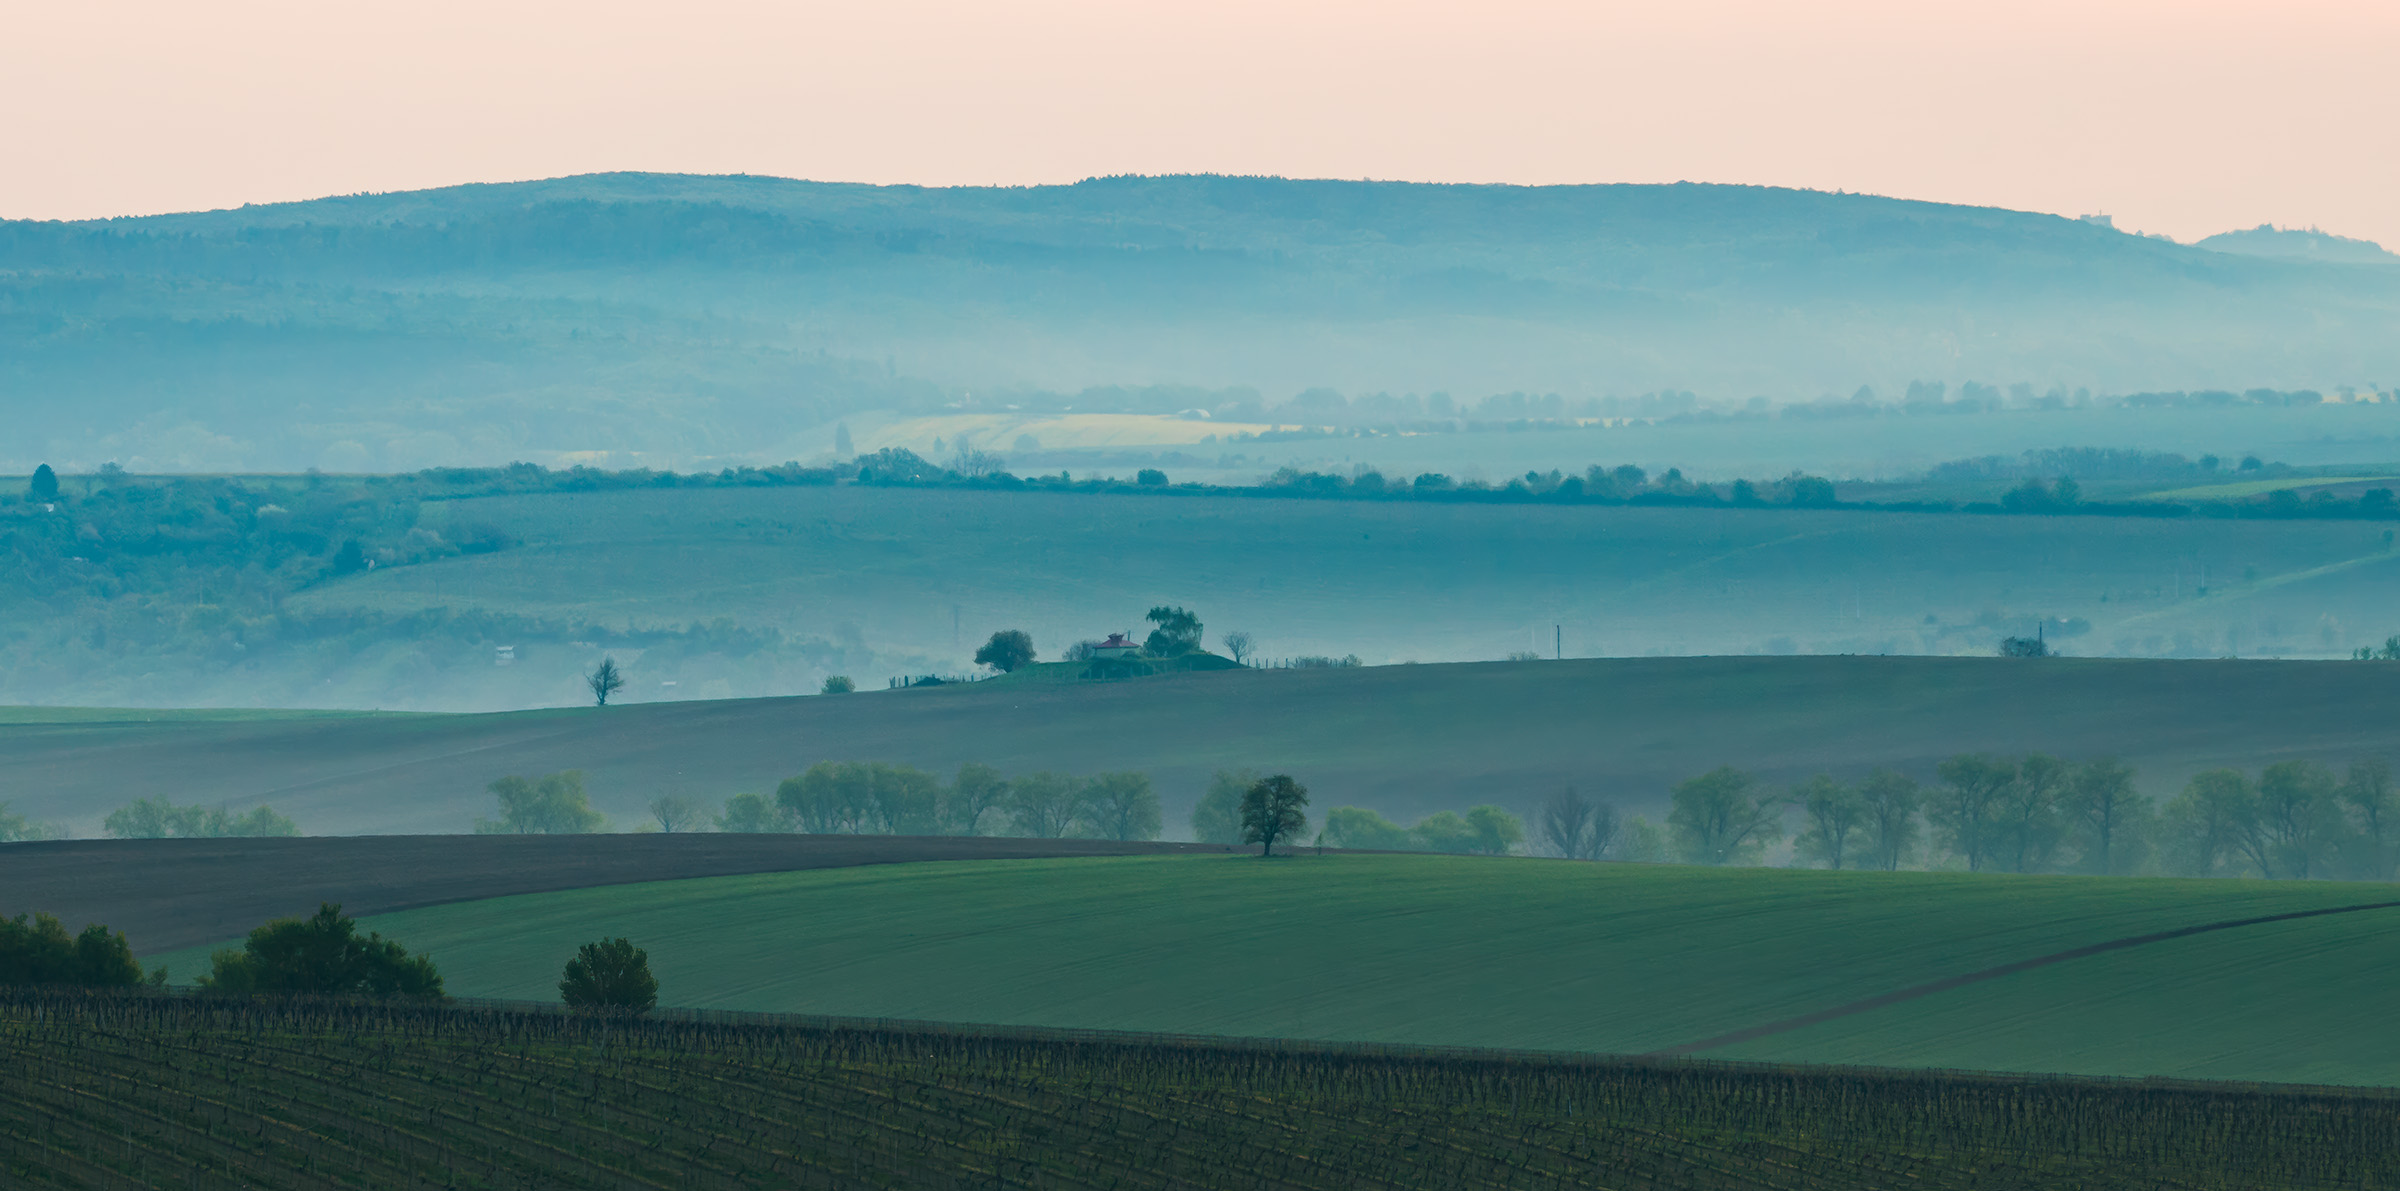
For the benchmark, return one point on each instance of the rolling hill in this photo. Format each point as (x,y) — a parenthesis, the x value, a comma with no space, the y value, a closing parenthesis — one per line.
(671,319)
(1532,954)
(1405,739)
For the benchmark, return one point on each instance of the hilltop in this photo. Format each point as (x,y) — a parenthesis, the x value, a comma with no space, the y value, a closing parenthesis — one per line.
(667,318)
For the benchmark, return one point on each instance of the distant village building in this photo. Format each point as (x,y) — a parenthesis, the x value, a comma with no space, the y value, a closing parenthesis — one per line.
(1117,648)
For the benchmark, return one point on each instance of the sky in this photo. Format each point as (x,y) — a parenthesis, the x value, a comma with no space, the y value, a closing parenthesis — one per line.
(2183,118)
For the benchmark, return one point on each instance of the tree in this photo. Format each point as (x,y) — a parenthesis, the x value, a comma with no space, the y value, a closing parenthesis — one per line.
(675,812)
(1891,800)
(44,488)
(611,974)
(1121,806)
(40,951)
(1150,477)
(2368,794)
(1493,831)
(554,804)
(1217,817)
(838,684)
(1715,819)
(2208,821)
(907,800)
(1358,827)
(2298,820)
(1044,805)
(1238,646)
(752,814)
(16,828)
(2107,812)
(605,680)
(322,955)
(1273,808)
(1576,827)
(2025,828)
(1836,814)
(1177,634)
(978,792)
(157,818)
(2024,647)
(1972,785)
(1007,651)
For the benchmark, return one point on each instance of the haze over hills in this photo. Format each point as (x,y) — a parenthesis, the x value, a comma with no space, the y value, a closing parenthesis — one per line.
(677,320)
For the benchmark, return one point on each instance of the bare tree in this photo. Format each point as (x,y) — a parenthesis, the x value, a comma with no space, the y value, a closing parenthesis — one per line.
(1238,646)
(675,812)
(1578,828)
(605,681)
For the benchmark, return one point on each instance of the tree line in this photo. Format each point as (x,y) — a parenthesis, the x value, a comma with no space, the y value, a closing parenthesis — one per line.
(860,798)
(2034,813)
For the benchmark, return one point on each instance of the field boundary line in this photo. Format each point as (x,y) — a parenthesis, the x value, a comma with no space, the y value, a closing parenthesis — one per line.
(2040,961)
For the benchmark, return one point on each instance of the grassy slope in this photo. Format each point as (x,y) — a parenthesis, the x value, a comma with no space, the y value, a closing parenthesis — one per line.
(874,583)
(1476,952)
(1406,739)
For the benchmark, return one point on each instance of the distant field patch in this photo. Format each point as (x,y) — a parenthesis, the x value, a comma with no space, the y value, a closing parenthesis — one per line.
(1511,953)
(2237,491)
(999,432)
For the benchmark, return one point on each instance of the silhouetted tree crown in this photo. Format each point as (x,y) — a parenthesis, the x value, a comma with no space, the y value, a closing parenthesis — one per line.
(609,974)
(1007,651)
(1274,808)
(1177,634)
(324,955)
(44,486)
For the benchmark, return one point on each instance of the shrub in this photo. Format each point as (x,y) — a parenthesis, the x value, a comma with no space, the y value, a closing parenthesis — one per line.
(323,955)
(1358,827)
(40,951)
(609,974)
(839,684)
(553,805)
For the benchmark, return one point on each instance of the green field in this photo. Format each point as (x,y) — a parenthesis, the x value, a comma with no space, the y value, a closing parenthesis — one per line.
(1407,740)
(1499,953)
(874,583)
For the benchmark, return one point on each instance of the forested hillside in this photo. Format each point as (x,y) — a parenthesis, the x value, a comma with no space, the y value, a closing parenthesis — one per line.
(666,319)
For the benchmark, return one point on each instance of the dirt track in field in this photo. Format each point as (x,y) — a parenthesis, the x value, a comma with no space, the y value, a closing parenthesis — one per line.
(168,894)
(2040,961)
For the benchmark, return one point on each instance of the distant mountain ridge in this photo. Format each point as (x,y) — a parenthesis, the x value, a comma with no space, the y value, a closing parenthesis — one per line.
(2305,244)
(672,318)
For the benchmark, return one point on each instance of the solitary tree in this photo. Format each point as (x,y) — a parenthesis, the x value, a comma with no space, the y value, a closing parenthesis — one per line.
(839,684)
(45,485)
(611,974)
(1177,634)
(1273,808)
(1717,821)
(605,681)
(1007,651)
(675,812)
(1238,646)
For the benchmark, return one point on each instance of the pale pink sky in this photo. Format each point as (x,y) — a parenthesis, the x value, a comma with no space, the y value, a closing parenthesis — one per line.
(2187,118)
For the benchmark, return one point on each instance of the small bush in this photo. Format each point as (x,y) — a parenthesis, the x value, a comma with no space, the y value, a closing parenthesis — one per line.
(610,974)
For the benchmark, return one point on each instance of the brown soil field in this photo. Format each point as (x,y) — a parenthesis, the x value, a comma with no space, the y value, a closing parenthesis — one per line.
(168,894)
(1406,740)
